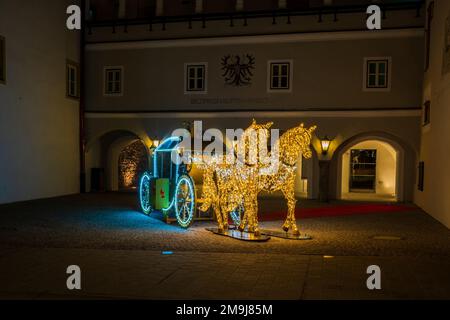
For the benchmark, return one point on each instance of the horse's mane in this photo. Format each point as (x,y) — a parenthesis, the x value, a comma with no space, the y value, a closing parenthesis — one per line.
(294,141)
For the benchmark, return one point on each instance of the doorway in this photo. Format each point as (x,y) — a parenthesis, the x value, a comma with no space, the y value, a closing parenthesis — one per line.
(363,170)
(369,172)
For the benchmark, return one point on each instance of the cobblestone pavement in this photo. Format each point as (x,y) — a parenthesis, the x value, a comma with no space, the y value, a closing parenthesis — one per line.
(119,252)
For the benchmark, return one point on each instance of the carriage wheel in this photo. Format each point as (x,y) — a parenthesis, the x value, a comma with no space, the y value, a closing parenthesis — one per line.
(145,193)
(237,214)
(184,201)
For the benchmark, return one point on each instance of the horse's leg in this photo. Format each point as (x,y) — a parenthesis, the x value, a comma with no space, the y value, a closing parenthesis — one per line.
(289,194)
(251,209)
(255,216)
(287,223)
(251,227)
(244,218)
(225,218)
(248,214)
(218,214)
(218,211)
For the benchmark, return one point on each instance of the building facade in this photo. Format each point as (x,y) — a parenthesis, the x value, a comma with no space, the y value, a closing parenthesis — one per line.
(432,193)
(152,66)
(316,64)
(39,117)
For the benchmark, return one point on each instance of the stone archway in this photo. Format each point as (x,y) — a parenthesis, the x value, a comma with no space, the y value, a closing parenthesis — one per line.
(104,154)
(398,159)
(375,181)
(133,162)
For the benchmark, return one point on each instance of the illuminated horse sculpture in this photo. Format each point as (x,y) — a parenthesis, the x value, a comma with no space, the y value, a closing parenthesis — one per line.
(226,185)
(291,144)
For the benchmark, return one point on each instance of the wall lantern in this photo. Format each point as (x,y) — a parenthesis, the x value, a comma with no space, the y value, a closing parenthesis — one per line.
(155,144)
(325,144)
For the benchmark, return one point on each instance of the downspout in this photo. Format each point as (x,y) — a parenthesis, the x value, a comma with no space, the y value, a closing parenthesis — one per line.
(82,142)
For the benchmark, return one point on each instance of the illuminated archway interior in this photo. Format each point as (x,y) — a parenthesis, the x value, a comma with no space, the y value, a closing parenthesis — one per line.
(133,162)
(369,172)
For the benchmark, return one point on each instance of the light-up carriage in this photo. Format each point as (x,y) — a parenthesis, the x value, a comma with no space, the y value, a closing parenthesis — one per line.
(169,189)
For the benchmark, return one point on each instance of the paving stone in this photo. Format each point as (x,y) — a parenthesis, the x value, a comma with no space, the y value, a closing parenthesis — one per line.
(120,253)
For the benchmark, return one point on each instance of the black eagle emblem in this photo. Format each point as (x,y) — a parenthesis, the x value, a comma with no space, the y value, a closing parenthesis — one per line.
(237,70)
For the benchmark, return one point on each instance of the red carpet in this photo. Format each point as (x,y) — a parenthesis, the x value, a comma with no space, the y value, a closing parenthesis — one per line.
(336,211)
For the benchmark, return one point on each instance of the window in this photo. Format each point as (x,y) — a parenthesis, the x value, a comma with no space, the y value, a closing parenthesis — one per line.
(426,112)
(72,81)
(113,81)
(377,72)
(420,184)
(195,78)
(430,13)
(363,168)
(2,60)
(280,76)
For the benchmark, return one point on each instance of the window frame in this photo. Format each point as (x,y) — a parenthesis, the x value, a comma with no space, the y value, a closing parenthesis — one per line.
(388,74)
(352,168)
(429,18)
(421,176)
(426,117)
(105,81)
(76,66)
(3,60)
(270,75)
(187,67)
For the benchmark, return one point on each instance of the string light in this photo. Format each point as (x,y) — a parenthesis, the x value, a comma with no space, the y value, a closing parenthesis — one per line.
(228,186)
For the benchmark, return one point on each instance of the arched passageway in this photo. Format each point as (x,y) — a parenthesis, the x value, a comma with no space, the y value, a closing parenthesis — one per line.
(371,167)
(133,162)
(115,160)
(369,172)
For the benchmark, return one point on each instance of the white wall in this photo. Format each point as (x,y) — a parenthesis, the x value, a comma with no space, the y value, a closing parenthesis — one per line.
(386,171)
(435,146)
(38,124)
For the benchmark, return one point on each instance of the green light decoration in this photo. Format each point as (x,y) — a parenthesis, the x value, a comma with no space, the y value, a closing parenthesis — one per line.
(184,201)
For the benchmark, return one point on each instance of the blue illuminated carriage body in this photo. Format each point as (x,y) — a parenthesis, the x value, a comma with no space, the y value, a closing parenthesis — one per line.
(170,189)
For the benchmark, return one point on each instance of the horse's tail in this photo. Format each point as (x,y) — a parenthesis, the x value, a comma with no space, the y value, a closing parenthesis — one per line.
(209,189)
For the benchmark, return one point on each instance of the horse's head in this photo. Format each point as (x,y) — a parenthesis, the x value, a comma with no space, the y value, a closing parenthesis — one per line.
(294,141)
(303,138)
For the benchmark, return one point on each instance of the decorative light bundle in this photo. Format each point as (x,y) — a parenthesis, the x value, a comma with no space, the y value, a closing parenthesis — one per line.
(226,186)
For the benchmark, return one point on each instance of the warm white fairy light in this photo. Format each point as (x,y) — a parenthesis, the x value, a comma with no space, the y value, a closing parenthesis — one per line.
(227,186)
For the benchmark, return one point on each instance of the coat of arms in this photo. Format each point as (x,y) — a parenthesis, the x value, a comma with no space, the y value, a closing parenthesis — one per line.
(237,70)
